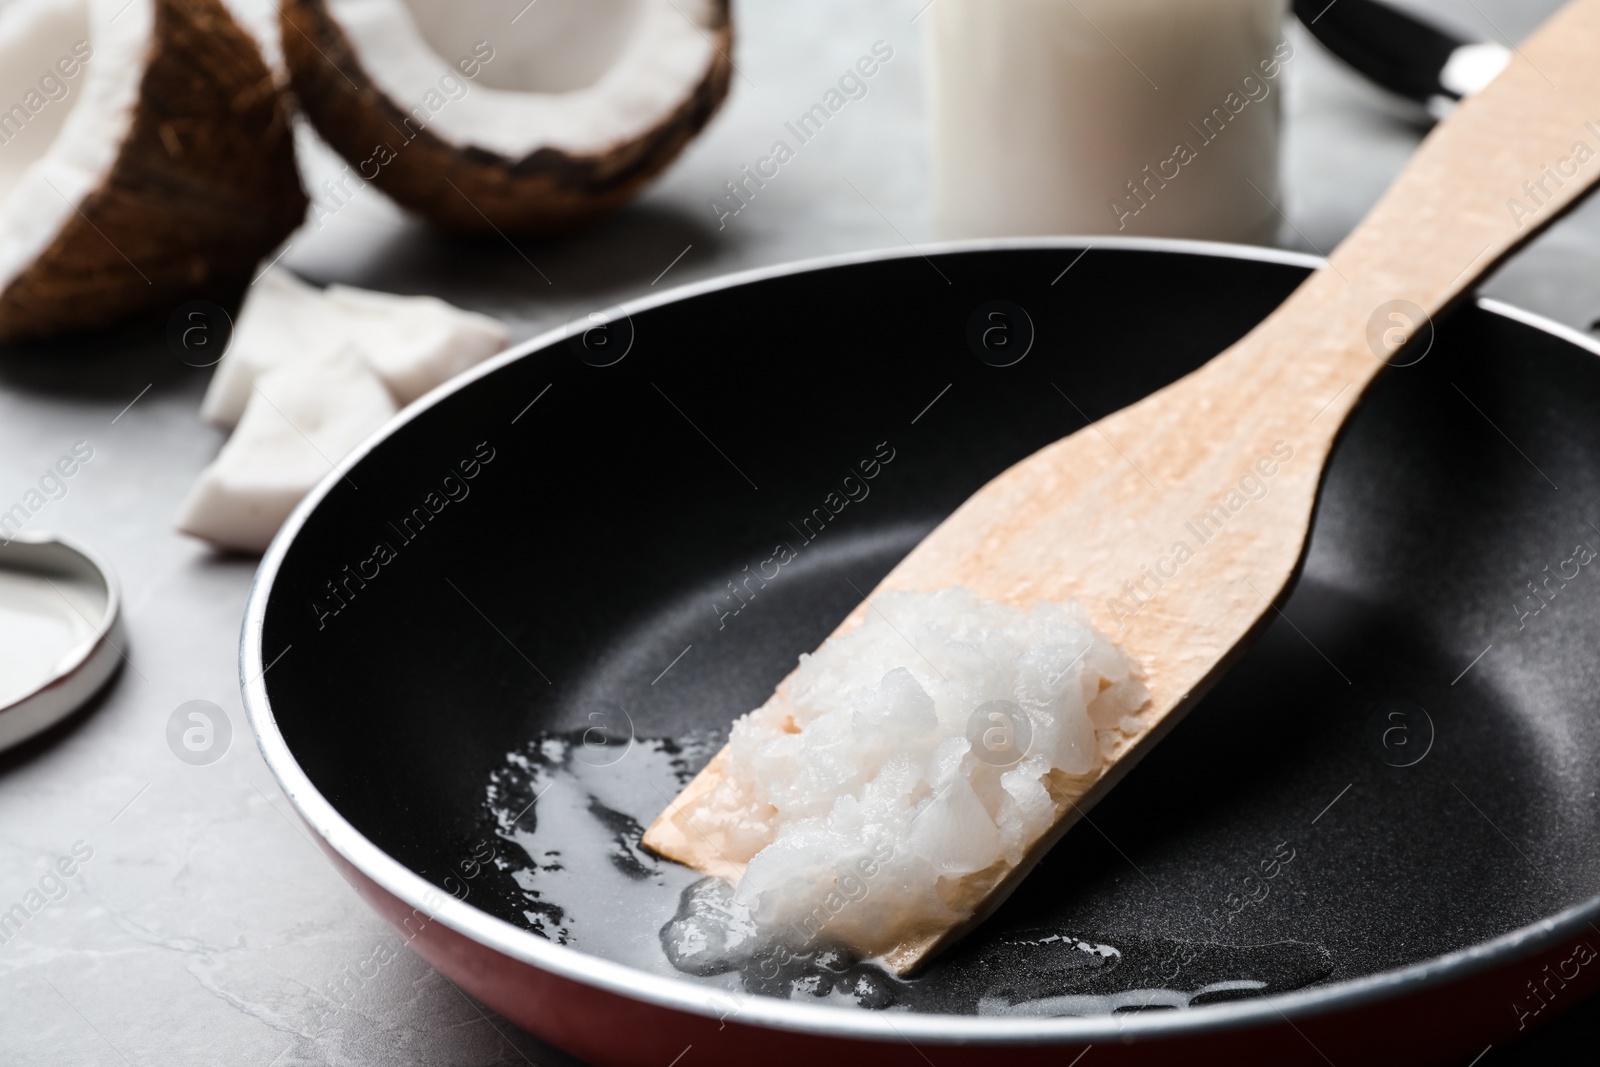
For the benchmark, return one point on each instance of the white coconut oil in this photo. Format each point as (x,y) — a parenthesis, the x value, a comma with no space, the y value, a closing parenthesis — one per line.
(919,748)
(1137,117)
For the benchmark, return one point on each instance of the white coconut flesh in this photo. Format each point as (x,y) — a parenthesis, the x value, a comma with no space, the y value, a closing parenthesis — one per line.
(412,343)
(574,75)
(307,375)
(70,72)
(301,420)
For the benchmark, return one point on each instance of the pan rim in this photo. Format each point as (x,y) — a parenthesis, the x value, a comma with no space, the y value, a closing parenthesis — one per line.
(682,995)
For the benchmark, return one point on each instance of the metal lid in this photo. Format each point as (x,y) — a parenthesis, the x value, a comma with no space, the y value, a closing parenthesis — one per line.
(60,631)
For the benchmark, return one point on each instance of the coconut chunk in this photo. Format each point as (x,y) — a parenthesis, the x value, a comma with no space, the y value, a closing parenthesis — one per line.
(481,118)
(300,420)
(280,322)
(412,343)
(145,156)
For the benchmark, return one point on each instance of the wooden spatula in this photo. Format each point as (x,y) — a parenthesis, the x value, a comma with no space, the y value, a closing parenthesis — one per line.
(1182,520)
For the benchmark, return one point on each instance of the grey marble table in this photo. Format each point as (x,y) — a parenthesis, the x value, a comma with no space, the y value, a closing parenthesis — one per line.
(205,928)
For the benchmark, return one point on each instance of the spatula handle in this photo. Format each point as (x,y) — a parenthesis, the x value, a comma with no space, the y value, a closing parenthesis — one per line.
(1505,165)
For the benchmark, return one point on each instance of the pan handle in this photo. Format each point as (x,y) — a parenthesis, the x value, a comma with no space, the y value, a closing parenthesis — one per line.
(1404,54)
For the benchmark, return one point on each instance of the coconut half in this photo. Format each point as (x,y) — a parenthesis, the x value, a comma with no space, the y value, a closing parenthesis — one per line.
(479,116)
(144,156)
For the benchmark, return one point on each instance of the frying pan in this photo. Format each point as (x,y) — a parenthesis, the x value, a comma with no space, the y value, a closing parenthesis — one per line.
(1376,837)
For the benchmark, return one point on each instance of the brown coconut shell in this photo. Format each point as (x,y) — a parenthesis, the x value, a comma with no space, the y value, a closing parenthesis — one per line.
(472,189)
(204,185)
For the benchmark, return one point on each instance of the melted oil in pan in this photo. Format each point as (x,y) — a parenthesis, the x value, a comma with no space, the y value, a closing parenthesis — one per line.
(574,805)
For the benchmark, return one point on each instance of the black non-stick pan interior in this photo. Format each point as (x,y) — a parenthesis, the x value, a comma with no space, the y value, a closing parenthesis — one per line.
(1402,766)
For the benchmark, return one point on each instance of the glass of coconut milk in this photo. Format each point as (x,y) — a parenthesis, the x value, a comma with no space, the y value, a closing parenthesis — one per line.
(1136,117)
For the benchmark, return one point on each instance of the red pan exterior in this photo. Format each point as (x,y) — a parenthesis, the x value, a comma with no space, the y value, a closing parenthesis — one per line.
(611,1030)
